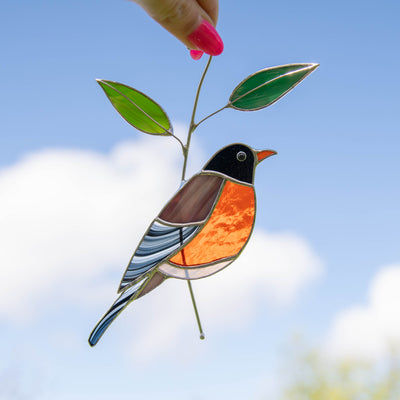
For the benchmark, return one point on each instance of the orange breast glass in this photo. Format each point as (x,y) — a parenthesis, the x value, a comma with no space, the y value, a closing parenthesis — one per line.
(226,231)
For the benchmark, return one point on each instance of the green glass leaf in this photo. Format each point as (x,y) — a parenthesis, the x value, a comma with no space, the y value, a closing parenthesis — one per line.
(268,85)
(136,108)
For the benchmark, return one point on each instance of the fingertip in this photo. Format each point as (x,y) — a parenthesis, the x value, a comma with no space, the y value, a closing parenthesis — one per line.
(206,38)
(196,54)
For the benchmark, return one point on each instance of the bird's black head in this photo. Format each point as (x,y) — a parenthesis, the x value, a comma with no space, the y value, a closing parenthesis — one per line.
(237,161)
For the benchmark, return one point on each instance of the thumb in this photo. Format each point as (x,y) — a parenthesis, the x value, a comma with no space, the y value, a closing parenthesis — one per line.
(188,22)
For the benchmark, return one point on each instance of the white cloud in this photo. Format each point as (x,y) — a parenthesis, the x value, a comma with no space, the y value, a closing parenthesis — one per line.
(69,218)
(370,330)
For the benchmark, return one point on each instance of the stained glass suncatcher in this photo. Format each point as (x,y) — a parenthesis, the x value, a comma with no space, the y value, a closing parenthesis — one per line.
(208,222)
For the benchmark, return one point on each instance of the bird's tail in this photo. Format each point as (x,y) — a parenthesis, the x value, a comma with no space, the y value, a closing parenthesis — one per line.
(123,300)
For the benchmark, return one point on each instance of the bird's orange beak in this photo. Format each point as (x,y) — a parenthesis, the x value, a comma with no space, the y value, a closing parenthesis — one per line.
(263,154)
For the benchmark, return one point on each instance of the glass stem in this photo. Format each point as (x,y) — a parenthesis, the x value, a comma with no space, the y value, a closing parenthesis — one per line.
(208,116)
(192,125)
(185,149)
(195,310)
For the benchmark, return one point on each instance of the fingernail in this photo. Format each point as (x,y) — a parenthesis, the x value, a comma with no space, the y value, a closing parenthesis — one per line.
(206,38)
(196,54)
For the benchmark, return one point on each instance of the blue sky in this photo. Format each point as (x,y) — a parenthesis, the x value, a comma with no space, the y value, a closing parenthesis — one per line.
(78,187)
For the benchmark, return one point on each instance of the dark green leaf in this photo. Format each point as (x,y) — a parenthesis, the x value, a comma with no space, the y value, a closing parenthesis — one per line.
(136,108)
(268,85)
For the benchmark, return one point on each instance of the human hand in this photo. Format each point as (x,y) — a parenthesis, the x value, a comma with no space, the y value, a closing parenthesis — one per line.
(191,21)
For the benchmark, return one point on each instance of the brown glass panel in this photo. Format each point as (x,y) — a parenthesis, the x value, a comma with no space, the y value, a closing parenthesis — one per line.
(194,201)
(157,279)
(227,230)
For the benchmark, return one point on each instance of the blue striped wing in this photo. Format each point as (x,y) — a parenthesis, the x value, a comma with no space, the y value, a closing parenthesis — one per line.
(157,245)
(123,300)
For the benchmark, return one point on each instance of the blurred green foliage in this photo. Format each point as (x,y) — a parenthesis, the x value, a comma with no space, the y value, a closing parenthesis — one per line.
(314,376)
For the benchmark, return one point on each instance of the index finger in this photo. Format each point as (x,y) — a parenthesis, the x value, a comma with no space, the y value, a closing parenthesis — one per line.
(211,7)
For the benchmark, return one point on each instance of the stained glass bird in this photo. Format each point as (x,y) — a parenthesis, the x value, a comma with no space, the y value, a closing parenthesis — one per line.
(201,230)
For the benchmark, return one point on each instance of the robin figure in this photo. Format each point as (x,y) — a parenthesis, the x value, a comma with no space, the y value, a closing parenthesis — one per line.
(201,230)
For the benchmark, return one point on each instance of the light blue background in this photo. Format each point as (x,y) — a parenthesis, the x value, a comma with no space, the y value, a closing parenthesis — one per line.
(335,181)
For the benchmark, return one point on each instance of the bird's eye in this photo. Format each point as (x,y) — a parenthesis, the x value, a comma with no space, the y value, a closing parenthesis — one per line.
(241,156)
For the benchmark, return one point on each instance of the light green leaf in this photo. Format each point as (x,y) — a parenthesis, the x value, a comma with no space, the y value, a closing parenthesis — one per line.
(268,85)
(136,108)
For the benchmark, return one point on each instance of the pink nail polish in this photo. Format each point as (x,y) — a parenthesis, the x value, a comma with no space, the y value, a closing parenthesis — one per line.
(196,54)
(206,38)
